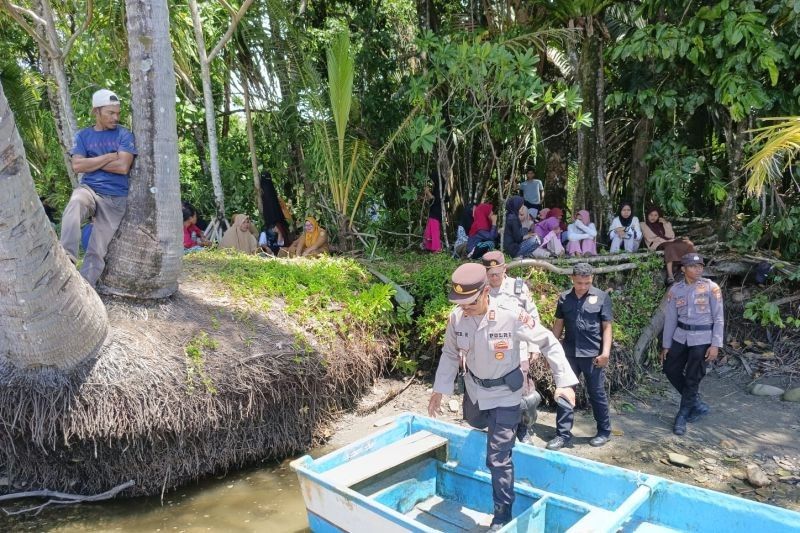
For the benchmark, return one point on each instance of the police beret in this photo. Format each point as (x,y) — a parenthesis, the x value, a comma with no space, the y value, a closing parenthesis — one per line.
(692,258)
(582,269)
(495,258)
(468,282)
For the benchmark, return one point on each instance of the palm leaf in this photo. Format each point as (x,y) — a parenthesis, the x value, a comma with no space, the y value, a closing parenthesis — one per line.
(780,144)
(340,86)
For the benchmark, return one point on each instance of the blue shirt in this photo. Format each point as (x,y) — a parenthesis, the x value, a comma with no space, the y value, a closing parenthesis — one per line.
(91,143)
(583,317)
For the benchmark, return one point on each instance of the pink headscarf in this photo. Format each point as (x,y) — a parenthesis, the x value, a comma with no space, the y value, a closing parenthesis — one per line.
(584,216)
(543,213)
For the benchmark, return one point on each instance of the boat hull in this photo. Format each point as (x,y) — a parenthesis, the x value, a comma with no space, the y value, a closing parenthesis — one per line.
(420,474)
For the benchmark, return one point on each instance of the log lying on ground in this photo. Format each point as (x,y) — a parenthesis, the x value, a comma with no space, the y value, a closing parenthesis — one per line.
(401,296)
(256,387)
(605,258)
(550,267)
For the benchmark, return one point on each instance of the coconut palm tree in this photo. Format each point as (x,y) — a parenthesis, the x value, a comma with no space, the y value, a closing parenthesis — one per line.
(49,316)
(144,260)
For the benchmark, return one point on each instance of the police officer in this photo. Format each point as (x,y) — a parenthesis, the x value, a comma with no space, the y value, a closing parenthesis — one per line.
(584,313)
(692,337)
(487,331)
(516,293)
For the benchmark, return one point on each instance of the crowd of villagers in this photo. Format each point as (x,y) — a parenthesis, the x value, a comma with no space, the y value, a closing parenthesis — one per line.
(275,238)
(534,231)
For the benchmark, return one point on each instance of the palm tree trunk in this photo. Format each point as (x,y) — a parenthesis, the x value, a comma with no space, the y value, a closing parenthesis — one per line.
(49,316)
(735,138)
(251,143)
(144,259)
(208,99)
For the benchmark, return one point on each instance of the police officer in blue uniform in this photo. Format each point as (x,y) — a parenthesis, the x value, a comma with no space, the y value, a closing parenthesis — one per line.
(486,333)
(584,313)
(693,331)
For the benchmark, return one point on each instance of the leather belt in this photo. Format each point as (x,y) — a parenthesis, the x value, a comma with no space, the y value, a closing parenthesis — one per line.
(487,383)
(696,327)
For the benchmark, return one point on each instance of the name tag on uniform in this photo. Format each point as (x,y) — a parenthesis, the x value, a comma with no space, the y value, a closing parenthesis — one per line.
(499,356)
(593,299)
(501,345)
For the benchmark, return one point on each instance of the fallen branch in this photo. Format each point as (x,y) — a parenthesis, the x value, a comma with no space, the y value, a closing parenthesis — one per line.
(391,395)
(786,299)
(61,498)
(607,258)
(402,296)
(550,267)
(651,331)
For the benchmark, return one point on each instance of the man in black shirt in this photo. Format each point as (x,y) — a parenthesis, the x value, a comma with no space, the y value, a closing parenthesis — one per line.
(584,314)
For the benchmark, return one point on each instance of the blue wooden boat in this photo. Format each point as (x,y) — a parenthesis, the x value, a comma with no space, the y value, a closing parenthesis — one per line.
(420,474)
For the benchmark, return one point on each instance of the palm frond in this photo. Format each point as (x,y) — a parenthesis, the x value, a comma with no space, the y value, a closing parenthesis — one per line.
(560,60)
(780,145)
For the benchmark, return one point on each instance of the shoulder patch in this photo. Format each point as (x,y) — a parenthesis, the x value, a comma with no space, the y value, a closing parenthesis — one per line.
(717,292)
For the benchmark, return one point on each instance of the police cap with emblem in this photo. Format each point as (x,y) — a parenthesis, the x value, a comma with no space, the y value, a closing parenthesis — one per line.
(692,259)
(492,259)
(468,281)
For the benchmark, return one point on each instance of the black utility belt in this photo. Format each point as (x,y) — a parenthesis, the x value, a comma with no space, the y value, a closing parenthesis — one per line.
(513,380)
(696,327)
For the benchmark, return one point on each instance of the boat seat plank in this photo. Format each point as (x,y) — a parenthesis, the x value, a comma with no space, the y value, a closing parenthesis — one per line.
(385,458)
(455,514)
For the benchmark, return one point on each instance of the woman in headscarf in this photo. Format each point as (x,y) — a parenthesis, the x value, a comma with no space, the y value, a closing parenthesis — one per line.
(313,241)
(581,235)
(464,224)
(239,236)
(625,231)
(483,232)
(517,242)
(549,233)
(659,235)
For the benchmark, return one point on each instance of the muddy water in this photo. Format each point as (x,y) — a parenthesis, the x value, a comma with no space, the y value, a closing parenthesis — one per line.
(266,498)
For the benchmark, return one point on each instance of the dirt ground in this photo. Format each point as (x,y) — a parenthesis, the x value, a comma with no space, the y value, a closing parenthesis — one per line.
(741,430)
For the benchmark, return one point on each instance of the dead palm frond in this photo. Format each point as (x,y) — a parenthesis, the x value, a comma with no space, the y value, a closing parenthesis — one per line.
(780,145)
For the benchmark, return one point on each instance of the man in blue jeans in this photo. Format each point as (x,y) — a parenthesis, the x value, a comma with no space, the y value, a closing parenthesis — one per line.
(584,314)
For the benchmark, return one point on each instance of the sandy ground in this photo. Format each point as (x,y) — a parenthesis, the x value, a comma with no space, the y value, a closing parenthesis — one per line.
(741,430)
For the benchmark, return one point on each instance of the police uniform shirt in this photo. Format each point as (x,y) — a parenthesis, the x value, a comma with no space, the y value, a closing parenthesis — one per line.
(583,317)
(524,299)
(697,304)
(490,346)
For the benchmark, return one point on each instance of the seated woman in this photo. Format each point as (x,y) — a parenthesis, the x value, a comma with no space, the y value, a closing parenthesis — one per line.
(625,231)
(549,233)
(483,232)
(518,242)
(526,217)
(464,224)
(239,236)
(193,238)
(659,235)
(581,235)
(272,239)
(313,241)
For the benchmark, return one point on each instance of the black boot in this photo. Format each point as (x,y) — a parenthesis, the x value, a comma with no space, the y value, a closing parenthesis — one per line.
(699,409)
(529,405)
(679,428)
(502,516)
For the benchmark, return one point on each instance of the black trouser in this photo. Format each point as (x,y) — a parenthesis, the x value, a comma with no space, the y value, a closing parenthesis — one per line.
(685,367)
(502,427)
(596,387)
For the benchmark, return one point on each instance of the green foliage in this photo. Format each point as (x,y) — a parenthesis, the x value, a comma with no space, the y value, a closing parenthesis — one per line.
(761,311)
(325,293)
(195,366)
(678,171)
